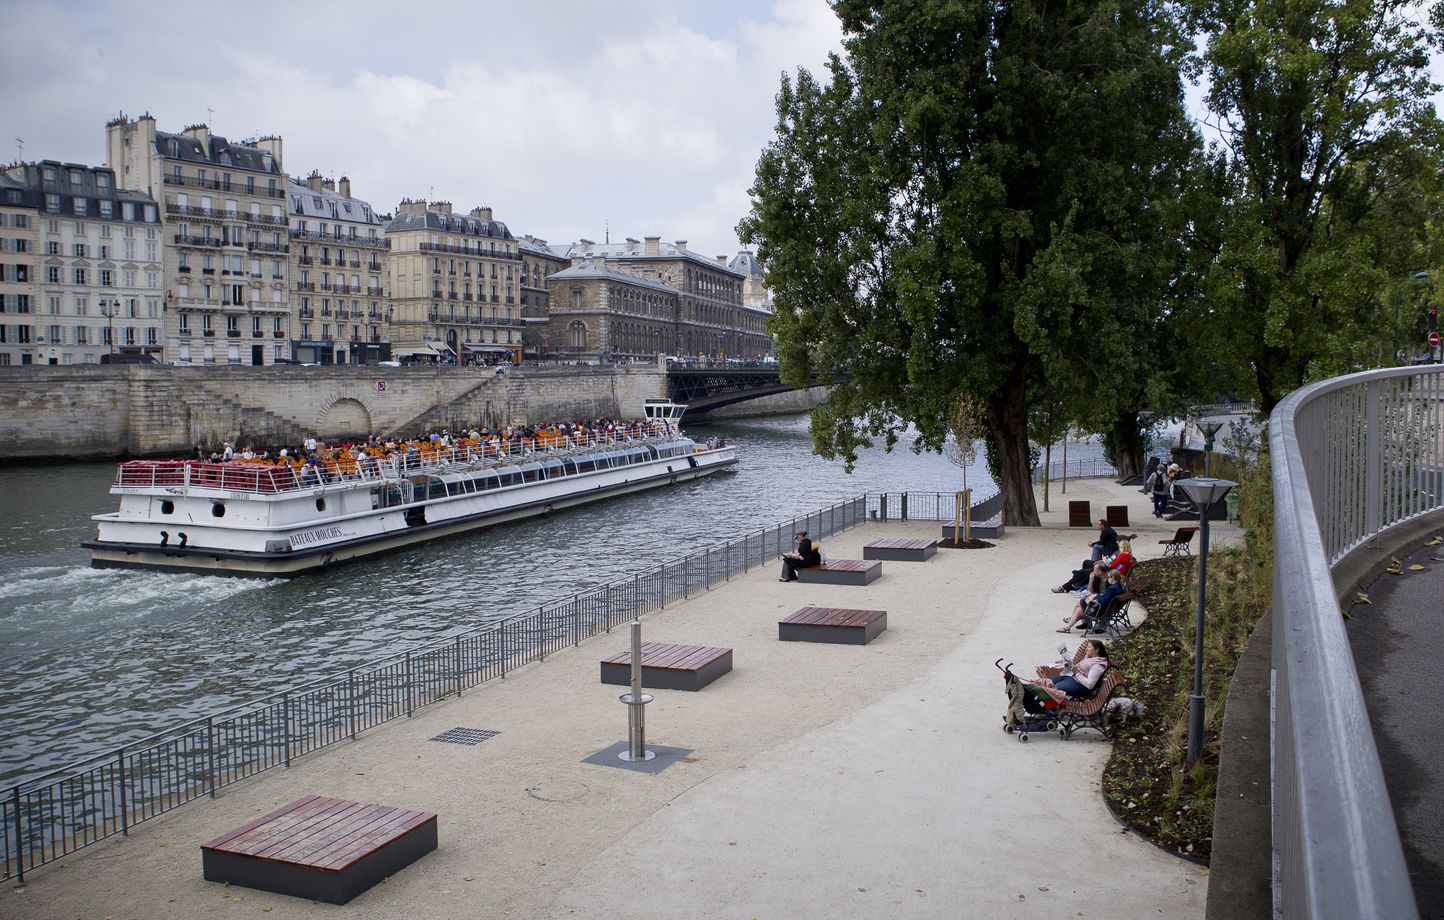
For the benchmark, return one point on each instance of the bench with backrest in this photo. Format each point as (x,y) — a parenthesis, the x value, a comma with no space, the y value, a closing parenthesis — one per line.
(1181,544)
(320,848)
(1113,619)
(832,624)
(668,666)
(842,572)
(901,549)
(1087,711)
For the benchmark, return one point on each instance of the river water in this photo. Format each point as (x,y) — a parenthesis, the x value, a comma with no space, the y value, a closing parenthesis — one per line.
(96,658)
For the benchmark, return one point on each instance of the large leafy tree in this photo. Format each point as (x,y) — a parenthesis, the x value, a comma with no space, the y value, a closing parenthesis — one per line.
(978,199)
(1330,146)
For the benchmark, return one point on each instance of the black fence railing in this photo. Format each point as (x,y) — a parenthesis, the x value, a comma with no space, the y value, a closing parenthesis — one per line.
(53,815)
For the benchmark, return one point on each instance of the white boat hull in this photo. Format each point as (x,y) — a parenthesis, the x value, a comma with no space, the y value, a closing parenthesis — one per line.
(133,539)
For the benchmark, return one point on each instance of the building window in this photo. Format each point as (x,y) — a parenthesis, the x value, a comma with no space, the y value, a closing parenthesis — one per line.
(579,334)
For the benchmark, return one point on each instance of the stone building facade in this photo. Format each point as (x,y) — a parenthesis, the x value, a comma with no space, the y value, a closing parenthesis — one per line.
(538,263)
(455,285)
(227,242)
(80,267)
(711,321)
(338,274)
(600,312)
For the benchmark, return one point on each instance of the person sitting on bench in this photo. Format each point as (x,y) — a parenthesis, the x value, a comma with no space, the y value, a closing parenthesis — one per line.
(1090,607)
(1107,542)
(1086,674)
(806,557)
(1090,575)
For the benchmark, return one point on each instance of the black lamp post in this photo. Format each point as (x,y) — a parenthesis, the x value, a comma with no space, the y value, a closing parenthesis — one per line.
(1204,492)
(1209,427)
(108,309)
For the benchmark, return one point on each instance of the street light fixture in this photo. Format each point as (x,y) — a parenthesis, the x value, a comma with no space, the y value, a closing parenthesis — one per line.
(1209,427)
(1205,492)
(108,309)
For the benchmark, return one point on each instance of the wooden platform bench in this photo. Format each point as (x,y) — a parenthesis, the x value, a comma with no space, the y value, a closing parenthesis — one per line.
(900,549)
(666,666)
(990,529)
(842,572)
(320,848)
(832,624)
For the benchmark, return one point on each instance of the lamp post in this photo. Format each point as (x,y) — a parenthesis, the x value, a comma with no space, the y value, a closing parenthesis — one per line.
(1204,492)
(108,309)
(1209,428)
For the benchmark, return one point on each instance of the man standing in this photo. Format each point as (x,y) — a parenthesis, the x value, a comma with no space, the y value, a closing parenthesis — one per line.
(1107,542)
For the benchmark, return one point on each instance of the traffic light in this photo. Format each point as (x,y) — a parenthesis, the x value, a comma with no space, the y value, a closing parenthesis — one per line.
(1431,317)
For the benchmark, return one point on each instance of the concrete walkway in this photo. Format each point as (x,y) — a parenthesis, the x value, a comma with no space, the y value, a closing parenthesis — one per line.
(826,781)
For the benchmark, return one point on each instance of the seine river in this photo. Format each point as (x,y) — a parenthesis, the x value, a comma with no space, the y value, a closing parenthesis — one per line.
(95,658)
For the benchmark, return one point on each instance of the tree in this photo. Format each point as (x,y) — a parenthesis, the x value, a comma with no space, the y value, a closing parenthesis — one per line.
(965,424)
(1328,135)
(971,203)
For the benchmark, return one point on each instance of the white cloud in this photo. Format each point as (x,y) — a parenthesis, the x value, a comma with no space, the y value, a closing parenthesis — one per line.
(564,117)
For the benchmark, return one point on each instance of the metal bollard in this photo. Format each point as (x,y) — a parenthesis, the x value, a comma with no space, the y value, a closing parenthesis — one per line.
(636,700)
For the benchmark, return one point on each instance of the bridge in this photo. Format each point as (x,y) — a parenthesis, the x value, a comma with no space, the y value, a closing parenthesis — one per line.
(708,385)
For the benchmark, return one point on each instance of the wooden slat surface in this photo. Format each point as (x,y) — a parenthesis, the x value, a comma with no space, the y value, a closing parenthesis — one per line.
(901,543)
(847,565)
(320,832)
(671,657)
(834,616)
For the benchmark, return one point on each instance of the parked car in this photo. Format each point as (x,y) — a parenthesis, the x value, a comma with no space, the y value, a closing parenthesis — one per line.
(388,363)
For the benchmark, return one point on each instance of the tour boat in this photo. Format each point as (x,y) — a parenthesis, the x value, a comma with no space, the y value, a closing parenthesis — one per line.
(242,518)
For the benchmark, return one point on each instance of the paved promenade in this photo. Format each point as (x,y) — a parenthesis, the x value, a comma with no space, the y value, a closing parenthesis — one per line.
(826,781)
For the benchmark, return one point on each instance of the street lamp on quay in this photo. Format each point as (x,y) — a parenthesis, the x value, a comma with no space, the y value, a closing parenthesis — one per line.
(1209,427)
(1205,493)
(108,309)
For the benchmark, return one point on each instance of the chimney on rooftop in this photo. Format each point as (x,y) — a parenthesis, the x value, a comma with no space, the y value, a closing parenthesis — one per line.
(631,244)
(344,187)
(586,244)
(328,184)
(200,133)
(722,260)
(481,213)
(653,247)
(441,207)
(681,245)
(313,181)
(418,208)
(272,145)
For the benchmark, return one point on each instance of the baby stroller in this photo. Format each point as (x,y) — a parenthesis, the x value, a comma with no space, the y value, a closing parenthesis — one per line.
(1030,708)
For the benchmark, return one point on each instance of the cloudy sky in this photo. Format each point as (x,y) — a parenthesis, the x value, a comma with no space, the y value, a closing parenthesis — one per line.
(563,115)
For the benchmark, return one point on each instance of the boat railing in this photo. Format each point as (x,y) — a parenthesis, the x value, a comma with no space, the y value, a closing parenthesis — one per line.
(263,479)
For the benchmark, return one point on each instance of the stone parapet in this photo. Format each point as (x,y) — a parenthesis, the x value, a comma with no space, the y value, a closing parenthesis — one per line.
(139,410)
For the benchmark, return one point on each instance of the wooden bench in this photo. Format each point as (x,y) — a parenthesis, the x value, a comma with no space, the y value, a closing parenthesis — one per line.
(1181,544)
(1080,514)
(900,549)
(832,624)
(841,572)
(990,529)
(320,848)
(667,666)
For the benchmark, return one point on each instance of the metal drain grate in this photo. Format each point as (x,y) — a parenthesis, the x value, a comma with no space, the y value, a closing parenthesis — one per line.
(466,736)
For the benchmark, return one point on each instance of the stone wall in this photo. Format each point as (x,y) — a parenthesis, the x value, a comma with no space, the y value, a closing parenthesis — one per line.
(140,410)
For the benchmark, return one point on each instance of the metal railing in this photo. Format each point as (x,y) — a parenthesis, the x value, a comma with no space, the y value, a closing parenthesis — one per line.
(1080,468)
(53,815)
(1352,457)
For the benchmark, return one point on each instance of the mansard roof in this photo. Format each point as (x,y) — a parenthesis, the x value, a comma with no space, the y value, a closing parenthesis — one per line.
(219,152)
(590,270)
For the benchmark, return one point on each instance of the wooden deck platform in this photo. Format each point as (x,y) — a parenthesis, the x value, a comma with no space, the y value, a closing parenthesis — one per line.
(901,549)
(667,666)
(832,624)
(320,848)
(841,572)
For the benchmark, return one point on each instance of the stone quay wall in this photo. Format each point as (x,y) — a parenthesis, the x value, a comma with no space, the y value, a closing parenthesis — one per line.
(104,411)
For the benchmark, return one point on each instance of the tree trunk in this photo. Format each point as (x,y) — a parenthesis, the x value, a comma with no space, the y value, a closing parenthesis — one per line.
(1008,419)
(1126,441)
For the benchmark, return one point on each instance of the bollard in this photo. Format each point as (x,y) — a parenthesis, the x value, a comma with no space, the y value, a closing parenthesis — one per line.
(636,700)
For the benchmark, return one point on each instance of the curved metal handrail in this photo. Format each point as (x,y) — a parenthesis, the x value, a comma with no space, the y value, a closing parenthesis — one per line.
(1349,456)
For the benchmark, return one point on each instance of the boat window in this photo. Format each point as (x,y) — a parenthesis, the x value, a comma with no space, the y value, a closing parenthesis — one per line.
(218,509)
(167,507)
(586,466)
(320,504)
(487,481)
(652,452)
(569,467)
